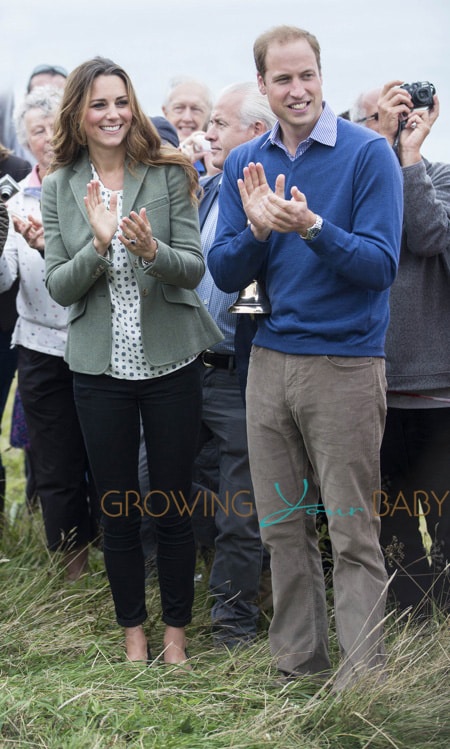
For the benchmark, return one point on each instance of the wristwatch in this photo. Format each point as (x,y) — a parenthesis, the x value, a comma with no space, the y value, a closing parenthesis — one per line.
(313,230)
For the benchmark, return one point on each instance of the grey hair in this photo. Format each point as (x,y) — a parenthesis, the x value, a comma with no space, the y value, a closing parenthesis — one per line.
(254,105)
(180,79)
(359,110)
(47,98)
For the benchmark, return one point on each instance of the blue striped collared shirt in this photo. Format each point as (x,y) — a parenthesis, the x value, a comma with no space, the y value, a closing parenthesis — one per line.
(324,131)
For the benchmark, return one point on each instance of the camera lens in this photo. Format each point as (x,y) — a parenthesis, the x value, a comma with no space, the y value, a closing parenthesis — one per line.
(422,95)
(8,187)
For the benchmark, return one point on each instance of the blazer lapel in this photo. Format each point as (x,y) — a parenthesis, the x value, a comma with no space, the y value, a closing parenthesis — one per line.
(131,185)
(78,182)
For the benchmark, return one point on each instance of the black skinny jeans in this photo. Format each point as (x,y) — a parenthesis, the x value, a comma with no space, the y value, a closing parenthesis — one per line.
(57,453)
(110,412)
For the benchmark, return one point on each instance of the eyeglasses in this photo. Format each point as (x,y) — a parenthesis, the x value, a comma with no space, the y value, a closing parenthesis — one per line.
(51,69)
(370,117)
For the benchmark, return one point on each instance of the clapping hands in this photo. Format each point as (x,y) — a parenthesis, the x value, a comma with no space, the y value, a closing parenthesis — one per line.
(103,220)
(268,210)
(31,230)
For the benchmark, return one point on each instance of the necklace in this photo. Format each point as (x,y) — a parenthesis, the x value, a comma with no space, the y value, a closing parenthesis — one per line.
(112,180)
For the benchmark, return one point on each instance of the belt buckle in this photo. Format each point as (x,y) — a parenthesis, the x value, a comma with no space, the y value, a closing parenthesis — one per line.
(205,363)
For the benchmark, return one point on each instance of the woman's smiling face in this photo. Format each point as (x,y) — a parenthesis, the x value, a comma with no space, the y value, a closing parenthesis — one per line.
(108,115)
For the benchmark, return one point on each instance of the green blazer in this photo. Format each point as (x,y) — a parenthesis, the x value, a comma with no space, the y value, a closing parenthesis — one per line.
(174,322)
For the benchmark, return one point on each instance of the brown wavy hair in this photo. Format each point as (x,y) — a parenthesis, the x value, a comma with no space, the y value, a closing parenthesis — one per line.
(143,144)
(4,152)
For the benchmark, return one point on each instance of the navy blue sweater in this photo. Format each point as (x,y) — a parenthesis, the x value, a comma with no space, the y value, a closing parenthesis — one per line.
(329,296)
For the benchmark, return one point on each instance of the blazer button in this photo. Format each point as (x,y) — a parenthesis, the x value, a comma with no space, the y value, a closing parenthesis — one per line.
(144,292)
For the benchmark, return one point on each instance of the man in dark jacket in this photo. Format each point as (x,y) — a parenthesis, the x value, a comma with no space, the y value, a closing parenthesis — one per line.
(239,114)
(415,452)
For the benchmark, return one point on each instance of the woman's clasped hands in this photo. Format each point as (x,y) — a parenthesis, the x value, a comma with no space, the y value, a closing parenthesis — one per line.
(136,233)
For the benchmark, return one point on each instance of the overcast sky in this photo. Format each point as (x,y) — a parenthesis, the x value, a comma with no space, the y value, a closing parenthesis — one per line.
(363,44)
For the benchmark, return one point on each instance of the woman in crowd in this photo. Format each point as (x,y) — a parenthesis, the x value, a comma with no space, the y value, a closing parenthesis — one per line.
(57,453)
(124,254)
(10,166)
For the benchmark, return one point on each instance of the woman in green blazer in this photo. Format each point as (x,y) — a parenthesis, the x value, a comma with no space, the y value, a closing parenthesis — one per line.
(123,251)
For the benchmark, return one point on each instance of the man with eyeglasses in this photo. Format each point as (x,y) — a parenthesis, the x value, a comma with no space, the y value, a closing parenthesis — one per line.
(415,450)
(365,109)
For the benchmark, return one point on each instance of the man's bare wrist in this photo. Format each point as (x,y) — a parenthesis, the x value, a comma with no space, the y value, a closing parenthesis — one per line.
(260,234)
(409,157)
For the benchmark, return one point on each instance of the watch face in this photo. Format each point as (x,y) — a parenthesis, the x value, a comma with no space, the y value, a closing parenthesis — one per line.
(314,230)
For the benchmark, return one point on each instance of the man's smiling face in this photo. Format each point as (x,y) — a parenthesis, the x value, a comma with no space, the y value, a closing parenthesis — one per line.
(293,85)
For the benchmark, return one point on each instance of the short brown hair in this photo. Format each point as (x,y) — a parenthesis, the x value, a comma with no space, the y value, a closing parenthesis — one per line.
(282,35)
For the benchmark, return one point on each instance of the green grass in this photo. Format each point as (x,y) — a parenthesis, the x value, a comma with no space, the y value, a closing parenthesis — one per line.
(64,683)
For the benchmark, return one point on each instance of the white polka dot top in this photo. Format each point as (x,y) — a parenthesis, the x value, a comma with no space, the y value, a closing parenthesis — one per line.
(128,360)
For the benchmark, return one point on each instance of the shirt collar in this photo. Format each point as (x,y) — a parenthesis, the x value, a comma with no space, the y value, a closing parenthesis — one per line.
(33,179)
(33,186)
(324,131)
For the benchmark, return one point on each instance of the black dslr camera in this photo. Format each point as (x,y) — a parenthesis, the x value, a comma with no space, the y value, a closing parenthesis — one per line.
(8,187)
(421,93)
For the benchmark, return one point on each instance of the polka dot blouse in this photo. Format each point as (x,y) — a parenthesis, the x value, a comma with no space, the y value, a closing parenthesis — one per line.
(127,356)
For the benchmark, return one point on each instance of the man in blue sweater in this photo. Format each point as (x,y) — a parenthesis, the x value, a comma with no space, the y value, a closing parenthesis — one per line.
(314,211)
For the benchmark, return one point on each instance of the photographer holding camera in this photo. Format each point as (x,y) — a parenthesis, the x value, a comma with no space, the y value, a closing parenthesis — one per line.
(415,451)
